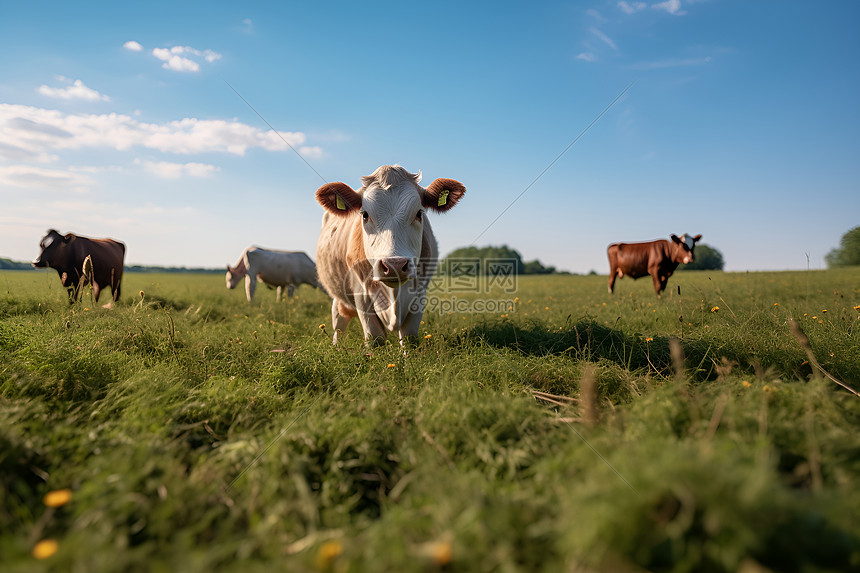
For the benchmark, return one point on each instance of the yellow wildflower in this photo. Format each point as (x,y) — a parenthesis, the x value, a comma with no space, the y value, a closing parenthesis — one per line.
(746,384)
(327,553)
(441,552)
(428,337)
(45,548)
(649,339)
(390,366)
(322,327)
(57,498)
(715,309)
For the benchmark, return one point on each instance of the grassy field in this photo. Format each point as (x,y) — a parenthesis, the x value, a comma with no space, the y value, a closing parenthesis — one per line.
(187,430)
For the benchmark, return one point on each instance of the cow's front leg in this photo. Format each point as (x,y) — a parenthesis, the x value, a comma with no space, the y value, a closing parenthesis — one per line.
(250,286)
(291,288)
(279,290)
(374,330)
(658,283)
(339,321)
(412,322)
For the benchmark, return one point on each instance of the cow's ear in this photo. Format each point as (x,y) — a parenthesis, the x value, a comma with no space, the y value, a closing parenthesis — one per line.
(338,198)
(676,239)
(443,194)
(697,238)
(68,237)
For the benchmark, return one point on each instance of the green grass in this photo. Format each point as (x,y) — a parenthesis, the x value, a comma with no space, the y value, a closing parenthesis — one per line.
(198,432)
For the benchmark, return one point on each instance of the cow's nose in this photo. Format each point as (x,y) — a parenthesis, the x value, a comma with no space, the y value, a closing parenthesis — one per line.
(395,266)
(394,270)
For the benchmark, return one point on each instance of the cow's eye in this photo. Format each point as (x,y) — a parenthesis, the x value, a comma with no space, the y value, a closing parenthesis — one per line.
(364,216)
(419,215)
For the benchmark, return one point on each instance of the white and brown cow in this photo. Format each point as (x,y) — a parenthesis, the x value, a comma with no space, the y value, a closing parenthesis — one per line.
(656,258)
(275,268)
(377,252)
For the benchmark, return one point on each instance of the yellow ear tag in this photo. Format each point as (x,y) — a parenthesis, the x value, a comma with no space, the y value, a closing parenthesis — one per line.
(443,198)
(340,204)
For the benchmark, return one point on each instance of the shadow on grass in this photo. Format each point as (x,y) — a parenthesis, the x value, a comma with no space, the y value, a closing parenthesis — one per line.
(591,341)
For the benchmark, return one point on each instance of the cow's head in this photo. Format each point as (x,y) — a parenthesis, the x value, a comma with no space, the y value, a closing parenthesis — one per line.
(53,246)
(684,246)
(392,206)
(233,277)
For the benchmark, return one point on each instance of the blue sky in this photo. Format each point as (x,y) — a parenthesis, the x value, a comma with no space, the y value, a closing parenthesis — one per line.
(741,123)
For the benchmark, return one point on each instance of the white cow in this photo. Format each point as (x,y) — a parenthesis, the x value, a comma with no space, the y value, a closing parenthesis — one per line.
(276,268)
(376,252)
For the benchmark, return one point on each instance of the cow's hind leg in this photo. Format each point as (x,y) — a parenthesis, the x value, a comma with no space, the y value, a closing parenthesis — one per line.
(291,289)
(614,274)
(279,291)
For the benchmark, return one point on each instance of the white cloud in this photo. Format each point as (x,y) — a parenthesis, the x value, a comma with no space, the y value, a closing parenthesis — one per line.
(169,170)
(178,58)
(670,6)
(133,46)
(604,38)
(31,131)
(311,152)
(78,90)
(179,64)
(632,7)
(31,177)
(248,26)
(587,56)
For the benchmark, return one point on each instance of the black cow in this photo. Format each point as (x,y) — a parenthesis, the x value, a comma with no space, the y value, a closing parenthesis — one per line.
(80,261)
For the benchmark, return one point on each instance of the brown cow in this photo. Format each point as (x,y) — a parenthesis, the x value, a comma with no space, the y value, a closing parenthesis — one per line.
(656,258)
(376,252)
(80,261)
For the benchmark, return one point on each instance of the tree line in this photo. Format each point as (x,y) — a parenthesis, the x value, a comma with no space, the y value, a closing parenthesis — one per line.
(486,259)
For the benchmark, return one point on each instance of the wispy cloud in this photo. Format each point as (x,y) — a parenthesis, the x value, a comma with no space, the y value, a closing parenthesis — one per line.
(672,63)
(670,6)
(603,38)
(632,7)
(248,26)
(32,177)
(587,57)
(33,130)
(168,170)
(133,46)
(313,152)
(595,14)
(77,91)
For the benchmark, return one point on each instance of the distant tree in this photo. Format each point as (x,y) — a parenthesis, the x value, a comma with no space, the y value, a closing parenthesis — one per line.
(9,264)
(484,257)
(707,259)
(535,267)
(848,252)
